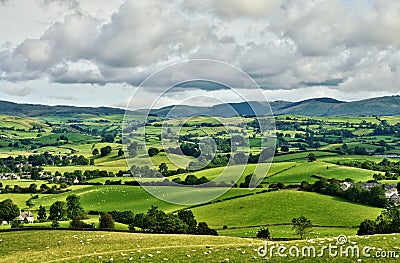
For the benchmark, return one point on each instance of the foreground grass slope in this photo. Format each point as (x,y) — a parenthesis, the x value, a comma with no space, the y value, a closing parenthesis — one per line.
(75,246)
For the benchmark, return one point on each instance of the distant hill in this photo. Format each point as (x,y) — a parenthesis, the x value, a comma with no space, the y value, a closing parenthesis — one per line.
(384,106)
(36,110)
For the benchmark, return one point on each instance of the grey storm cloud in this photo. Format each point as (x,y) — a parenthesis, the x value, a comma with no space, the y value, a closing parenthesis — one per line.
(282,44)
(14,91)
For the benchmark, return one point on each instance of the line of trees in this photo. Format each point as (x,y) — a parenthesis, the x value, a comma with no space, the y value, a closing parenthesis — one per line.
(157,221)
(34,189)
(387,222)
(374,196)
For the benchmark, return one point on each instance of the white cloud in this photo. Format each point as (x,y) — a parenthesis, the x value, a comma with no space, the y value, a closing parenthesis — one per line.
(283,44)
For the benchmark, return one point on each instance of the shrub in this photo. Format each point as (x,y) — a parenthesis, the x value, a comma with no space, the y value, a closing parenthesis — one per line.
(106,221)
(264,233)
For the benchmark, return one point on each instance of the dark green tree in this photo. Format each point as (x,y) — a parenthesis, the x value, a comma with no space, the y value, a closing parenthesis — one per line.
(246,182)
(284,148)
(204,229)
(35,173)
(152,151)
(264,233)
(33,188)
(74,208)
(42,213)
(311,157)
(104,151)
(57,211)
(106,221)
(163,168)
(77,223)
(367,227)
(301,226)
(187,217)
(120,152)
(139,220)
(8,210)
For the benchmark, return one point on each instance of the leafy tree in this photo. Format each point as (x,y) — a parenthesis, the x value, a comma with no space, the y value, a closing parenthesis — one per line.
(8,210)
(109,137)
(152,151)
(106,221)
(157,221)
(33,188)
(120,152)
(378,177)
(353,193)
(301,226)
(187,217)
(29,203)
(104,151)
(163,168)
(57,211)
(191,179)
(74,208)
(125,217)
(311,157)
(367,227)
(377,197)
(246,182)
(190,149)
(305,186)
(154,217)
(264,233)
(42,213)
(204,229)
(76,223)
(388,221)
(173,225)
(139,220)
(35,173)
(284,148)
(320,185)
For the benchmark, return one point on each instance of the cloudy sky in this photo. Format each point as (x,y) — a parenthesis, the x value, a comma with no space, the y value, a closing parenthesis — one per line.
(96,52)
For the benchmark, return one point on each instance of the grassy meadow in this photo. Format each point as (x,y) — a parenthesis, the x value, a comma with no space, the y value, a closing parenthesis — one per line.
(76,246)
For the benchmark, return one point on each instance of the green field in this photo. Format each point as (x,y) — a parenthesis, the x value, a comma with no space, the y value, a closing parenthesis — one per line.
(285,231)
(281,206)
(133,198)
(303,171)
(75,246)
(227,174)
(239,212)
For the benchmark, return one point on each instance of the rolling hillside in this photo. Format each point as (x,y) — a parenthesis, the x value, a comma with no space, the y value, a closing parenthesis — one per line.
(385,106)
